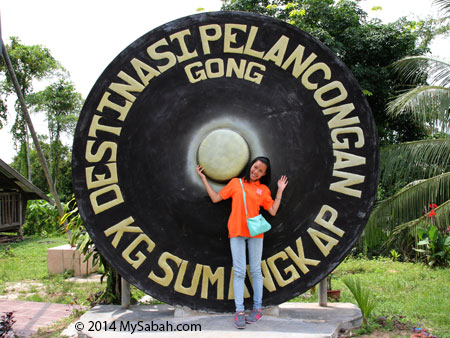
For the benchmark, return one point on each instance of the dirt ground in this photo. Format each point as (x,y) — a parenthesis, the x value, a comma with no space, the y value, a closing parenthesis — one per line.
(381,334)
(23,289)
(390,334)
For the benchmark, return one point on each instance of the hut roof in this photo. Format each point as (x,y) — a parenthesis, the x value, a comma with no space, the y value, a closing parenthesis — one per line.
(11,180)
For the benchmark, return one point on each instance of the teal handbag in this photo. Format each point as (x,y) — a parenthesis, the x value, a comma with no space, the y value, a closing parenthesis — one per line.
(258,224)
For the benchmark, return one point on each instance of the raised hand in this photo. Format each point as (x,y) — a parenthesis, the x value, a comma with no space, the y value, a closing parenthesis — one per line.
(200,171)
(282,182)
(215,197)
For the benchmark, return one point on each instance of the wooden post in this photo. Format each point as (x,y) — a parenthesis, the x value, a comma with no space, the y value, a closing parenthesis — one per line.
(125,293)
(323,292)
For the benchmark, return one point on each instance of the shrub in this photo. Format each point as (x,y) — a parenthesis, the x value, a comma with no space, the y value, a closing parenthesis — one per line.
(6,325)
(436,246)
(41,219)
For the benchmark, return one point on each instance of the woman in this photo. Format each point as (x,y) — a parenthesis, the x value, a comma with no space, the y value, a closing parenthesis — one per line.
(255,182)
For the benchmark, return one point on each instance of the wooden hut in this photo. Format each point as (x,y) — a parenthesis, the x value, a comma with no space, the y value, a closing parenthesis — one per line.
(15,191)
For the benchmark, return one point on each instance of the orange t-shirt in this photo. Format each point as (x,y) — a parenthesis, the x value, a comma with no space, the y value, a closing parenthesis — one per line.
(257,195)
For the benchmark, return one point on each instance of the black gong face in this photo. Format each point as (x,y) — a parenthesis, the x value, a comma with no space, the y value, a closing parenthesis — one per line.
(219,89)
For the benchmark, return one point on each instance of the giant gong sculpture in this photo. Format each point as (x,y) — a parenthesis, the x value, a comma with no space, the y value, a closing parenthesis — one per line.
(219,89)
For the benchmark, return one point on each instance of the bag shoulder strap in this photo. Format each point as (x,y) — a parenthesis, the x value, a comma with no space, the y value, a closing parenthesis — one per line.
(243,192)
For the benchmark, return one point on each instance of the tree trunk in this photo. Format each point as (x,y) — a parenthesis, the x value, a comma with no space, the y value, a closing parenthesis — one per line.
(27,152)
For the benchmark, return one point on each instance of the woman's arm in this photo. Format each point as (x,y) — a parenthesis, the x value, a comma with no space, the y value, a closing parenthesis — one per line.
(282,183)
(215,197)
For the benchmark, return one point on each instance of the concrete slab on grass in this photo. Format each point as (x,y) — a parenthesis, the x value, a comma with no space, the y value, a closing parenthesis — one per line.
(294,320)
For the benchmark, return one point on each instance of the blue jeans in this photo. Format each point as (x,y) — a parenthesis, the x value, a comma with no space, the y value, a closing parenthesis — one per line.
(255,246)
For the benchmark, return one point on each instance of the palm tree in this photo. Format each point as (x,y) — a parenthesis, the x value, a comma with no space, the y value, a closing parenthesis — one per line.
(422,166)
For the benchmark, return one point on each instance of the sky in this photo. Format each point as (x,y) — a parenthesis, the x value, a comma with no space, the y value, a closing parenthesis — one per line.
(86,35)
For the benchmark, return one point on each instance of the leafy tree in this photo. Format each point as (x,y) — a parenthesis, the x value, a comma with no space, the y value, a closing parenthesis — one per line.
(61,104)
(422,167)
(64,183)
(368,48)
(3,112)
(30,63)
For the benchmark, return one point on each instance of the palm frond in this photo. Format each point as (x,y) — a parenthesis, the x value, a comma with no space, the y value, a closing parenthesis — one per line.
(425,104)
(405,234)
(416,160)
(413,68)
(362,295)
(443,5)
(371,239)
(408,231)
(442,218)
(409,203)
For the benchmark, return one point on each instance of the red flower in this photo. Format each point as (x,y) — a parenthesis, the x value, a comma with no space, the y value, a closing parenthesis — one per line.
(434,206)
(448,230)
(432,213)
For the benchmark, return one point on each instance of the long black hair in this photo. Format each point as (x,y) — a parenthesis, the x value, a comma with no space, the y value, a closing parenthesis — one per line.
(266,178)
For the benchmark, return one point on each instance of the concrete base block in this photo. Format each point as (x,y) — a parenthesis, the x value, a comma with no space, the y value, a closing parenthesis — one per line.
(293,320)
(63,258)
(273,311)
(184,312)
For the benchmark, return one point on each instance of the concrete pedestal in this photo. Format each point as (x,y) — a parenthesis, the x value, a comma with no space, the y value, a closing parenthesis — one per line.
(63,258)
(293,320)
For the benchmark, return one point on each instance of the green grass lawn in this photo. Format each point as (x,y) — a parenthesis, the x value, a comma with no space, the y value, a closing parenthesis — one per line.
(27,261)
(419,293)
(415,291)
(412,290)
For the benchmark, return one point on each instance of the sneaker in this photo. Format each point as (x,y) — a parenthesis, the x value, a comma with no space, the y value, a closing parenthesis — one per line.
(239,320)
(254,316)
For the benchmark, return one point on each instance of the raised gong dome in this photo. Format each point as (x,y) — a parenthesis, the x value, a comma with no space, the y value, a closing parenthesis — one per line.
(223,154)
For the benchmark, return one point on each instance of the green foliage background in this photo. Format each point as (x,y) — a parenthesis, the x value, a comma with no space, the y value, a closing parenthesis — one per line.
(367,47)
(42,219)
